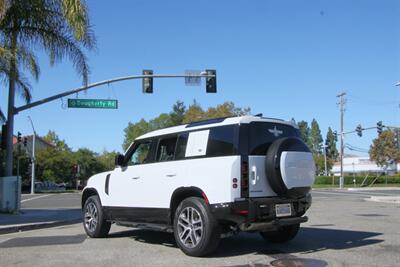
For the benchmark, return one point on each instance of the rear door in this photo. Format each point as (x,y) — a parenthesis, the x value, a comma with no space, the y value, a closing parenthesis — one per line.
(261,136)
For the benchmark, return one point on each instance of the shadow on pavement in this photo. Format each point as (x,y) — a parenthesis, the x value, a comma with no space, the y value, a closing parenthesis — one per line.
(147,236)
(308,240)
(40,216)
(43,241)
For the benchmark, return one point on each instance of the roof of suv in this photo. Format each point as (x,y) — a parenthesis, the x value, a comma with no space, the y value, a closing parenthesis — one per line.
(214,123)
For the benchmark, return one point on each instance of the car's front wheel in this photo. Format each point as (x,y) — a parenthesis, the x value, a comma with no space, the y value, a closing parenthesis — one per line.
(93,218)
(196,231)
(282,235)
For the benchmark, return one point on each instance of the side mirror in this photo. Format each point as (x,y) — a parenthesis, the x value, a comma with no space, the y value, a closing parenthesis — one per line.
(119,160)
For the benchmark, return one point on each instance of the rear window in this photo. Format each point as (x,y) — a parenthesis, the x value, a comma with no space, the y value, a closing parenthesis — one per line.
(263,134)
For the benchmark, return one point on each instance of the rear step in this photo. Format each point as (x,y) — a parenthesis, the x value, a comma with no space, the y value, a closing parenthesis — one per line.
(268,226)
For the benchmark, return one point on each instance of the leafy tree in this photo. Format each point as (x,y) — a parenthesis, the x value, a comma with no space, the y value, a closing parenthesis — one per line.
(107,160)
(88,163)
(384,149)
(178,113)
(226,109)
(315,137)
(53,138)
(194,113)
(330,142)
(54,165)
(305,132)
(162,121)
(134,130)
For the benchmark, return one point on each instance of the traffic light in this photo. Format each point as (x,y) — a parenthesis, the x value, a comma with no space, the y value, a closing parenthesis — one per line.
(19,137)
(3,136)
(379,127)
(335,135)
(211,82)
(148,82)
(25,141)
(359,130)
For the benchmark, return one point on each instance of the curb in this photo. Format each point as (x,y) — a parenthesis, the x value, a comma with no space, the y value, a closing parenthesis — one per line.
(35,226)
(385,199)
(372,188)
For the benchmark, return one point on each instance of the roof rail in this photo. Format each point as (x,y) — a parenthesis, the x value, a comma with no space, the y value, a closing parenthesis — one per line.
(205,122)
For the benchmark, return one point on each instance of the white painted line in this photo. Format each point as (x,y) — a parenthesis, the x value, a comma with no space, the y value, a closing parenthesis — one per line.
(33,198)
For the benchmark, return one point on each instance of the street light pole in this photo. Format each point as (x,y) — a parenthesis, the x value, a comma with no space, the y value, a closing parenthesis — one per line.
(33,158)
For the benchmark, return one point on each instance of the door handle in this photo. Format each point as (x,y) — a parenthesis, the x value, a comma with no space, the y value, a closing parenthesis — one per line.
(254,174)
(135,178)
(171,175)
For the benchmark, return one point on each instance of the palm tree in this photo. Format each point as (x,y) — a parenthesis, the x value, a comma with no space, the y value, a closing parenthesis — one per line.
(59,27)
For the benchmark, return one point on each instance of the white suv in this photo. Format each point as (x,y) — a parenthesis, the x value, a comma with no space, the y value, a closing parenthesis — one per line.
(207,180)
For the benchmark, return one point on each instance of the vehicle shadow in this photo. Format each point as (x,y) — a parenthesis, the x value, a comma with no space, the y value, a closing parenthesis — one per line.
(309,240)
(147,236)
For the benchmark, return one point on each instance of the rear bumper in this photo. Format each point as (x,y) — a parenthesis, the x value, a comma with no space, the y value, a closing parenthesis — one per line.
(255,214)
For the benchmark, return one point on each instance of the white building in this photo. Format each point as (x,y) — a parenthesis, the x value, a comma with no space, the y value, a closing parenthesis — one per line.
(360,165)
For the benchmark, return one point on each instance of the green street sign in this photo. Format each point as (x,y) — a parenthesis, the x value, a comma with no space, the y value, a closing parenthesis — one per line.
(93,103)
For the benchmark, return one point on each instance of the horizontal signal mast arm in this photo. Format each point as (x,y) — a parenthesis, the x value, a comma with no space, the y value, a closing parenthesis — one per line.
(119,79)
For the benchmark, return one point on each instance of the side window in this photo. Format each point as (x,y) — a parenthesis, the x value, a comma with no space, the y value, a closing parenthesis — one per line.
(197,143)
(221,142)
(166,149)
(140,154)
(181,146)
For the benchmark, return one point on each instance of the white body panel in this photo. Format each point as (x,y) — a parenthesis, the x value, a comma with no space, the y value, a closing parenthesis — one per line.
(297,169)
(152,185)
(97,182)
(258,182)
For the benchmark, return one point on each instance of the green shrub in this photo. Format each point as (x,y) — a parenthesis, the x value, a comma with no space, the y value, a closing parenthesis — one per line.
(348,180)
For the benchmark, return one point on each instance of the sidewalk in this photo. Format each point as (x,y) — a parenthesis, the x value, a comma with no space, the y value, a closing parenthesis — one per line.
(30,219)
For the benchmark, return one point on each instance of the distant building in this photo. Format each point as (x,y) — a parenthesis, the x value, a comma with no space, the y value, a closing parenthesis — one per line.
(361,165)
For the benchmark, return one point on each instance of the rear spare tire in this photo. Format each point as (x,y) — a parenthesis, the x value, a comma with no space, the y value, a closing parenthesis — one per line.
(290,167)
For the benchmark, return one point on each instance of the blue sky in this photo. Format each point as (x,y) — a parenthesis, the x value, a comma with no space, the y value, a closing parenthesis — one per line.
(281,58)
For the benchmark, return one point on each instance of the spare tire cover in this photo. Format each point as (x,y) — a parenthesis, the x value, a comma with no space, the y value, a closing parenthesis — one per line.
(301,166)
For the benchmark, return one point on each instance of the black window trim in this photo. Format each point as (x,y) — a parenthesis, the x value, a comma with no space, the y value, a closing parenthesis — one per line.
(156,140)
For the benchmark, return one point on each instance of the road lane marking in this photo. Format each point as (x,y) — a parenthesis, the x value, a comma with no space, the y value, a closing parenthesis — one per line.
(33,198)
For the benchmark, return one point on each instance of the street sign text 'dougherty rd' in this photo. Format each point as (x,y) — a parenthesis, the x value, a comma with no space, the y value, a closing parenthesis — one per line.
(93,103)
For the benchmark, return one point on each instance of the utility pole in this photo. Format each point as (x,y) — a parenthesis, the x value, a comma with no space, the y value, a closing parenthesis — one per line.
(342,102)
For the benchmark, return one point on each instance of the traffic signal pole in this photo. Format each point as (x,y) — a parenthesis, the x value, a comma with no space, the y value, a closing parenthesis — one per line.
(15,110)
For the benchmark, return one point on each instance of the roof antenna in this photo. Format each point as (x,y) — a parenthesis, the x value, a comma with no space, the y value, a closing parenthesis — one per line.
(259,115)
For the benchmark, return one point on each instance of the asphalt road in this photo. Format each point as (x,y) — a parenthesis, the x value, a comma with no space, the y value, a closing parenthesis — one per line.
(51,201)
(344,230)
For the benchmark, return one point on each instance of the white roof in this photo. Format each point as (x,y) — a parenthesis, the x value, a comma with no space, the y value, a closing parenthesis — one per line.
(227,121)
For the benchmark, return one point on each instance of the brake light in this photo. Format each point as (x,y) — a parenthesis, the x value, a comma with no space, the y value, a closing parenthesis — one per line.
(244,179)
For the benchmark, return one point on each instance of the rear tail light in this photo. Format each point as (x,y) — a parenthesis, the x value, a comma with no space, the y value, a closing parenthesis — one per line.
(244,179)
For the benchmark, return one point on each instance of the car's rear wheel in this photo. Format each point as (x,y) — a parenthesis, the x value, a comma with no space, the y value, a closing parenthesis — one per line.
(93,218)
(196,231)
(282,235)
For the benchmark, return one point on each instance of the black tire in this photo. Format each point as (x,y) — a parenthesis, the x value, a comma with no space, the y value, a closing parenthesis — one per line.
(282,235)
(209,238)
(272,165)
(93,210)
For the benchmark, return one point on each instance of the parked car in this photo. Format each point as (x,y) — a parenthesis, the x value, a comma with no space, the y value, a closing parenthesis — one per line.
(207,180)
